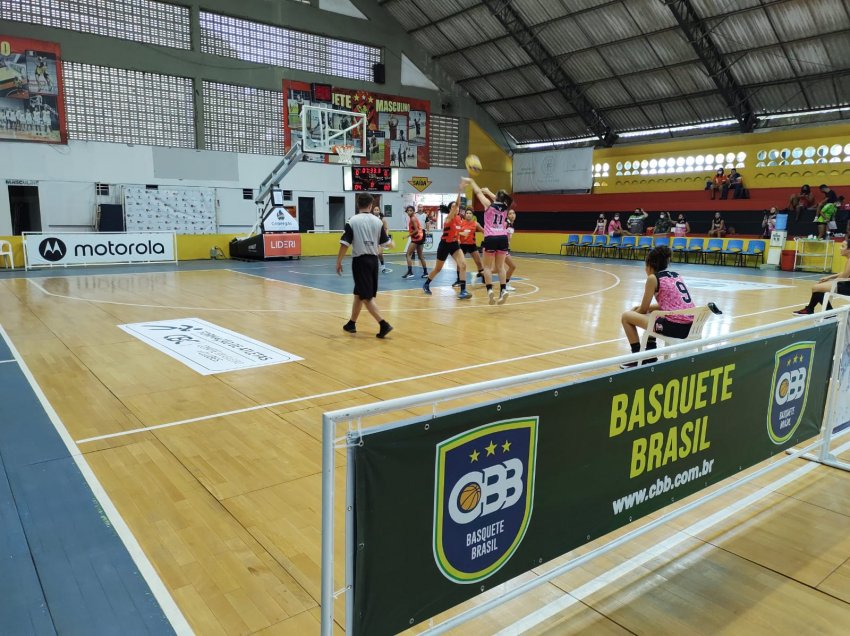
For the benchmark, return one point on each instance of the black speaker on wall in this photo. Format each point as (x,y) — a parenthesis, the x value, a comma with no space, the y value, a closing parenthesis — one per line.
(379,73)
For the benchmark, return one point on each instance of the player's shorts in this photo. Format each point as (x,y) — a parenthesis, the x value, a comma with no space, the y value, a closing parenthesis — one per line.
(364,269)
(495,243)
(420,241)
(445,249)
(468,248)
(672,329)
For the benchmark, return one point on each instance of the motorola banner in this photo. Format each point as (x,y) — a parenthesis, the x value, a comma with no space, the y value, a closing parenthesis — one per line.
(46,249)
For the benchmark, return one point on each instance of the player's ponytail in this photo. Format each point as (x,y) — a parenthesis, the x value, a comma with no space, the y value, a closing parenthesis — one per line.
(659,257)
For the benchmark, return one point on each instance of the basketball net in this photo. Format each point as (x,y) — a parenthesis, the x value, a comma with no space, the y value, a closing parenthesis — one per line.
(345,153)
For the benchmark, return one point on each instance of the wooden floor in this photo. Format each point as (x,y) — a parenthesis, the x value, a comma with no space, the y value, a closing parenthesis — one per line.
(227,507)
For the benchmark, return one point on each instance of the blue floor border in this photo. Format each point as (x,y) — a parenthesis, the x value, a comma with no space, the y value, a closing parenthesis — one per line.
(65,568)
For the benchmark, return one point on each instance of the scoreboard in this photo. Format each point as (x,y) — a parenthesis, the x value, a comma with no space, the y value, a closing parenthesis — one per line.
(370,179)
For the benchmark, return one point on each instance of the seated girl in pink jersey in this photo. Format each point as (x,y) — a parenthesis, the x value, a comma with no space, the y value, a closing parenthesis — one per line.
(495,243)
(670,293)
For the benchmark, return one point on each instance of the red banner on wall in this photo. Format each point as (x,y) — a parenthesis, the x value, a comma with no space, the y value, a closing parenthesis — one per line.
(278,245)
(32,100)
(398,128)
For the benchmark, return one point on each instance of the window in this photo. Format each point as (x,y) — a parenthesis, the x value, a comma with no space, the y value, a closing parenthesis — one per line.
(674,165)
(240,119)
(277,46)
(137,20)
(121,106)
(445,150)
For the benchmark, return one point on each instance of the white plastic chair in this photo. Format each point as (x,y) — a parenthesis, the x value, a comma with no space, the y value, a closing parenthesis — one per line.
(6,254)
(832,292)
(701,316)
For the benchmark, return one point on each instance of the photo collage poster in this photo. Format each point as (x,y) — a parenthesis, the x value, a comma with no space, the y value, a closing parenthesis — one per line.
(397,132)
(32,103)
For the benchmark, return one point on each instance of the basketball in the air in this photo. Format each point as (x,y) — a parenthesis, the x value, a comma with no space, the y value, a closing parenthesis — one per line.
(473,165)
(469,497)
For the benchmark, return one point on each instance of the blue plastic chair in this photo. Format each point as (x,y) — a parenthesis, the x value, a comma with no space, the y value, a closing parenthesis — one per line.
(627,246)
(715,246)
(696,246)
(755,249)
(599,242)
(571,244)
(662,240)
(585,244)
(680,246)
(613,245)
(644,244)
(734,247)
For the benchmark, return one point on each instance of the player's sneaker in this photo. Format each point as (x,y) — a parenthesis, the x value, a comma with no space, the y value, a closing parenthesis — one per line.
(805,311)
(503,296)
(510,288)
(386,270)
(385,329)
(426,288)
(424,275)
(456,283)
(464,295)
(350,327)
(408,275)
(492,296)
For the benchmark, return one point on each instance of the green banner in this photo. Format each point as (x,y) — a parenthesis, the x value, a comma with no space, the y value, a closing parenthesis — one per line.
(448,507)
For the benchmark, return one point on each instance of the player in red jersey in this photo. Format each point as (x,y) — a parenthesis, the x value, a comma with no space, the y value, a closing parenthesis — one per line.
(449,246)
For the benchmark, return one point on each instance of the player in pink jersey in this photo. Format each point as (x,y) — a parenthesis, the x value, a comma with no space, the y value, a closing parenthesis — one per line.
(495,243)
(670,294)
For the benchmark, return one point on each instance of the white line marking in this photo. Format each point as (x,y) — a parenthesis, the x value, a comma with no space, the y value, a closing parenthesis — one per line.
(146,569)
(413,378)
(342,391)
(6,361)
(659,550)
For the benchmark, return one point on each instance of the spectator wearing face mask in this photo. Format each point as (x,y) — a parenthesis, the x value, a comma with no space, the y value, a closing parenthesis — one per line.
(718,226)
(601,226)
(735,182)
(663,225)
(614,227)
(717,183)
(637,222)
(801,202)
(682,227)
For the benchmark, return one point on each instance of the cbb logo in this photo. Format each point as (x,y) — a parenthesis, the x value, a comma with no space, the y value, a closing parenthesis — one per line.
(789,390)
(483,496)
(52,249)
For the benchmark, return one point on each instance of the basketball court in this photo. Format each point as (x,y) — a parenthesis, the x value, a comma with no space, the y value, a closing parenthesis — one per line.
(226,467)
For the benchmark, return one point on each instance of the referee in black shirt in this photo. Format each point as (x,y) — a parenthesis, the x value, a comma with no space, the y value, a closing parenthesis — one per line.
(364,233)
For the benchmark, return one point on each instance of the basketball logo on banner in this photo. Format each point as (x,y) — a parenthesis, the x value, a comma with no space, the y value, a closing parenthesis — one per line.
(789,390)
(484,490)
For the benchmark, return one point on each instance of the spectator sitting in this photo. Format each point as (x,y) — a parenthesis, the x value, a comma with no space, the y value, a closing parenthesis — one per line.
(718,226)
(717,183)
(601,224)
(768,223)
(637,222)
(663,224)
(682,227)
(801,202)
(735,182)
(826,217)
(829,196)
(614,227)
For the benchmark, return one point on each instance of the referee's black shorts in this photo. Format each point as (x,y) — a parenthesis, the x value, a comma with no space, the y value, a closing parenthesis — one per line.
(364,269)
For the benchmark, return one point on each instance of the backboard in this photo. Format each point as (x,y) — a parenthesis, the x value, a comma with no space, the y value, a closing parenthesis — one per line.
(323,128)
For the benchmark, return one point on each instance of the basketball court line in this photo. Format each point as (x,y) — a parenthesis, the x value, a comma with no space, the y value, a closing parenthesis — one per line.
(599,583)
(373,385)
(146,569)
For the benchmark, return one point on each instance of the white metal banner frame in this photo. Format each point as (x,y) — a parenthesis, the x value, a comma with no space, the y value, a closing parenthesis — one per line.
(817,451)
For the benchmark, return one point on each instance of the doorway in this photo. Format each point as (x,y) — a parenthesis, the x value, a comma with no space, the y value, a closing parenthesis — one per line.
(306,215)
(24,208)
(336,214)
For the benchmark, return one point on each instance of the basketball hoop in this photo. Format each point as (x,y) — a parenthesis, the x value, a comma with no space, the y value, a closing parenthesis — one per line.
(345,153)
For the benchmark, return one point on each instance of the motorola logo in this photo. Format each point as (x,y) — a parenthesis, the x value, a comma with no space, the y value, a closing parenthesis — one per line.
(52,249)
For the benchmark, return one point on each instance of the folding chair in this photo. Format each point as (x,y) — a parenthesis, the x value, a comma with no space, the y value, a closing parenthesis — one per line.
(6,254)
(733,248)
(755,249)
(696,246)
(701,316)
(571,243)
